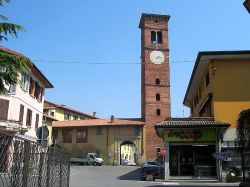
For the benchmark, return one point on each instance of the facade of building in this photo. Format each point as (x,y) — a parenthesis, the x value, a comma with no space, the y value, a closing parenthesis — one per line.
(55,112)
(22,107)
(155,81)
(219,88)
(190,145)
(115,140)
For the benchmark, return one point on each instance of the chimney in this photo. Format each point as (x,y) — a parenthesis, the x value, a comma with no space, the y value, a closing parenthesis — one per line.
(112,119)
(94,113)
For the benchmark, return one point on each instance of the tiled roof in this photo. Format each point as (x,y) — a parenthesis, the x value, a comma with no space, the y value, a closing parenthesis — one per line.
(98,122)
(49,105)
(32,66)
(190,122)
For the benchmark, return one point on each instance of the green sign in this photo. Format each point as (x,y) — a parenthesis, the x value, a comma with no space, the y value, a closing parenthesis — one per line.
(178,135)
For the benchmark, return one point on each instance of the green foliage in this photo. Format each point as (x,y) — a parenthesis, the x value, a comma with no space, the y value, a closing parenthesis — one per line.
(7,28)
(10,67)
(243,129)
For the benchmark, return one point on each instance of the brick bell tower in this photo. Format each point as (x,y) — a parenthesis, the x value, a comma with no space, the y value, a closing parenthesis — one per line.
(155,78)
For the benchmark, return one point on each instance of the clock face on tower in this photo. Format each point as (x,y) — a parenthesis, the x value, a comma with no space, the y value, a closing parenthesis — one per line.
(157,57)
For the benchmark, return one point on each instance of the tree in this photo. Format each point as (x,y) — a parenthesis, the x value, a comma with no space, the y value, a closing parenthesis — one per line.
(243,137)
(10,64)
(7,28)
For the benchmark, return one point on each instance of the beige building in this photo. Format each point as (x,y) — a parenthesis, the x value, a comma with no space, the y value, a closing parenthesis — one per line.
(113,139)
(55,112)
(22,106)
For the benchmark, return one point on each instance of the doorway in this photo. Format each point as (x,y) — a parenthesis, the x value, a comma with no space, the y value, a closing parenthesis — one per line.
(128,153)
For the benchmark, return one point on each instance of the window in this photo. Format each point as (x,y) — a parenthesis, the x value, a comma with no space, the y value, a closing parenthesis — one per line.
(21,114)
(157,81)
(137,130)
(52,113)
(25,81)
(159,37)
(207,79)
(158,112)
(67,135)
(156,37)
(157,97)
(81,135)
(158,152)
(99,130)
(4,109)
(29,118)
(37,121)
(82,118)
(153,37)
(75,117)
(67,116)
(32,87)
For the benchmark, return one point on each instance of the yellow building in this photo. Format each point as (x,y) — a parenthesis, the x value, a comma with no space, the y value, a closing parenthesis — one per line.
(219,87)
(54,112)
(110,138)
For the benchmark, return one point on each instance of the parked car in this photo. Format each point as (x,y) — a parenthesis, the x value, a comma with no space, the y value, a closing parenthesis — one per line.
(151,167)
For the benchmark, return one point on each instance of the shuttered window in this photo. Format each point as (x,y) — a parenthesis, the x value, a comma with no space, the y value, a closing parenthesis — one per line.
(67,135)
(21,114)
(29,118)
(4,108)
(37,121)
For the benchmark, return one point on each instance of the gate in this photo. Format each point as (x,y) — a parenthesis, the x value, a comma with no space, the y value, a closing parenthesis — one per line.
(24,163)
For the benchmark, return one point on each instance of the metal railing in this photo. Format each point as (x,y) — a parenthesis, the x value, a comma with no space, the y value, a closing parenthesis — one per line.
(24,163)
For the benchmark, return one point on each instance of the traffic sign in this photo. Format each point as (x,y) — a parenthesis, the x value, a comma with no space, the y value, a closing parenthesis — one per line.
(164,151)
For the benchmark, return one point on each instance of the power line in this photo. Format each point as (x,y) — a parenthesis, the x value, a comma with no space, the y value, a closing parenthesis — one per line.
(100,63)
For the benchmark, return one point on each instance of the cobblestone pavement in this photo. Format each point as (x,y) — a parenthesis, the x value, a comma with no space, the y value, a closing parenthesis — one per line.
(121,176)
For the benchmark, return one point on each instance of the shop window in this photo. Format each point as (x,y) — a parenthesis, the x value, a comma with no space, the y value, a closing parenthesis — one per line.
(82,135)
(158,112)
(67,135)
(29,118)
(157,81)
(158,97)
(99,130)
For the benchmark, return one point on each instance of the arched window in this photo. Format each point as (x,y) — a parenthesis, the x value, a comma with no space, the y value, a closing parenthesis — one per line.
(157,81)
(158,112)
(159,37)
(153,37)
(157,97)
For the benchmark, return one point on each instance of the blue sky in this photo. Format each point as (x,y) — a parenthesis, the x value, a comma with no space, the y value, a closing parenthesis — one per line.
(106,31)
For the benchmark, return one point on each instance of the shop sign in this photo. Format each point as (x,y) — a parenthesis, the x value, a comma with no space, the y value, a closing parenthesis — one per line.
(190,135)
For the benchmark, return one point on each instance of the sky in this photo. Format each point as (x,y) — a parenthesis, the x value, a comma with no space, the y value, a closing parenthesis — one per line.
(90,49)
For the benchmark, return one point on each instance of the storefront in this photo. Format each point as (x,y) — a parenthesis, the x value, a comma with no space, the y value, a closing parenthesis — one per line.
(190,146)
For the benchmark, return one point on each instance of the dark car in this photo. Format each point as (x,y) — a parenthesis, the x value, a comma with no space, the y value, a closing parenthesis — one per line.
(153,168)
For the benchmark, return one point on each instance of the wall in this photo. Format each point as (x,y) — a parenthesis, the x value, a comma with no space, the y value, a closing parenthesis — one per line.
(231,85)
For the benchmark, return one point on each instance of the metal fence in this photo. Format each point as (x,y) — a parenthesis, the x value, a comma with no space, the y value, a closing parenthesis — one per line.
(24,163)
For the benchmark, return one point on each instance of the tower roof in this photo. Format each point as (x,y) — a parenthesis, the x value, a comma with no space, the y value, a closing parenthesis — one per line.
(146,16)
